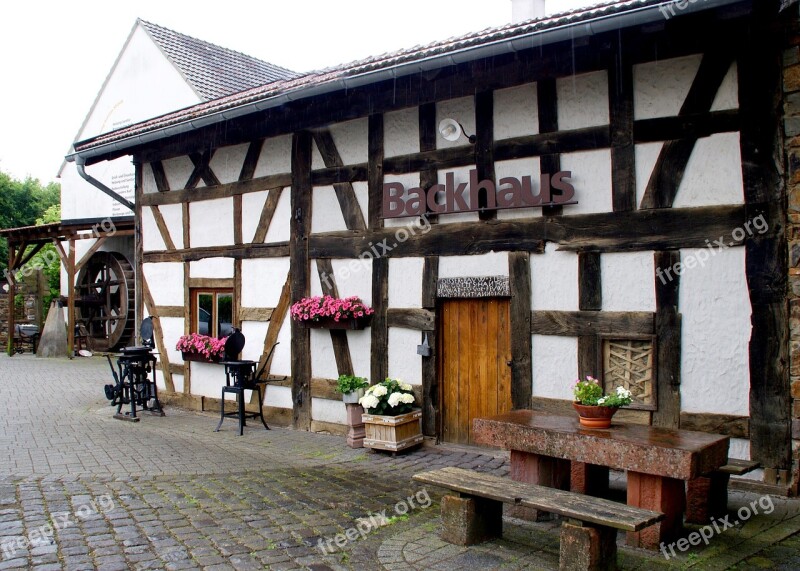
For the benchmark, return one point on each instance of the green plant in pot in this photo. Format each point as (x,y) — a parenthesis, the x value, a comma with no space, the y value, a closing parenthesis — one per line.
(351,388)
(594,408)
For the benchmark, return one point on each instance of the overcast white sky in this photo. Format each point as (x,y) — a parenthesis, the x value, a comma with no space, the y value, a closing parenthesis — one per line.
(54,55)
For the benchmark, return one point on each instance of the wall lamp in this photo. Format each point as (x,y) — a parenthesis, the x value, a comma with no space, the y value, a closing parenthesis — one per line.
(451,130)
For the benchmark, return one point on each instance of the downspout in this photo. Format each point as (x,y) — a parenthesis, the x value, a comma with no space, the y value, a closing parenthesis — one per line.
(80,162)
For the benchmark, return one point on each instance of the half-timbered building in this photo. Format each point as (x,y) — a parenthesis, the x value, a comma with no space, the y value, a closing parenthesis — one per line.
(611,200)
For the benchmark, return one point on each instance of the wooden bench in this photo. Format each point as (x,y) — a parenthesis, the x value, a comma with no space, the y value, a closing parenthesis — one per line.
(588,535)
(707,495)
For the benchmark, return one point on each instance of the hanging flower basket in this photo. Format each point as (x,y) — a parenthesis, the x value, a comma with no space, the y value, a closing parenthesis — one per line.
(198,358)
(328,312)
(201,348)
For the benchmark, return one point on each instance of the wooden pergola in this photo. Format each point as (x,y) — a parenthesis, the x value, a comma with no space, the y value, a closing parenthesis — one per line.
(25,242)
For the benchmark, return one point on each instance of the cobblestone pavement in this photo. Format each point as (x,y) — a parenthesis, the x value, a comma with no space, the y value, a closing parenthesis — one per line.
(79,490)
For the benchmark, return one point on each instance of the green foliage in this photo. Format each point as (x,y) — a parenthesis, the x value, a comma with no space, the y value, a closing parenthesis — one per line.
(23,203)
(348,384)
(589,392)
(390,397)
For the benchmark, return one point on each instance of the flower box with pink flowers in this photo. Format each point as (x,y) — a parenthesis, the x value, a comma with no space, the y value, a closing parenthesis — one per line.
(328,312)
(201,348)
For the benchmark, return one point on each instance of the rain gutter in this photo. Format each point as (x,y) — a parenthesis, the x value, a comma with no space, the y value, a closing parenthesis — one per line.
(80,163)
(534,39)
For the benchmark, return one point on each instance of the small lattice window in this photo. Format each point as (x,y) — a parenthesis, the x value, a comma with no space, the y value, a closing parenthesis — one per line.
(630,363)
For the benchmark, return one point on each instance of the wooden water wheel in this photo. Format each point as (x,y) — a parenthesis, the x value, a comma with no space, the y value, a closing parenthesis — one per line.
(104,300)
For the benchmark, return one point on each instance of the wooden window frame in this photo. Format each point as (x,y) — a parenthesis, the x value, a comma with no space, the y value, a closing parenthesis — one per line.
(601,340)
(194,307)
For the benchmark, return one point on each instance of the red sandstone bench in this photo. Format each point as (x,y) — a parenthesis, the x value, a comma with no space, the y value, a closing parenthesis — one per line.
(588,535)
(707,496)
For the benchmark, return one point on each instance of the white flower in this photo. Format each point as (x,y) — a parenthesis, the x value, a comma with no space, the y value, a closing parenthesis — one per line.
(601,400)
(394,399)
(623,392)
(379,390)
(406,398)
(368,401)
(404,386)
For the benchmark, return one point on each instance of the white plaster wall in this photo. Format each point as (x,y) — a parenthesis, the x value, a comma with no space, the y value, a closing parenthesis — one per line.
(207,379)
(463,111)
(276,156)
(173,218)
(351,138)
(148,180)
(151,237)
(352,277)
(142,84)
(254,332)
(211,268)
(554,280)
(646,157)
(405,282)
(360,342)
(591,177)
(739,448)
(326,214)
(401,132)
(713,174)
(516,112)
(323,363)
(279,397)
(226,163)
(178,170)
(262,281)
(628,281)
(177,382)
(279,230)
(404,363)
(171,329)
(211,222)
(728,94)
(518,168)
(282,358)
(582,100)
(361,190)
(252,205)
(166,282)
(326,410)
(490,264)
(661,87)
(555,366)
(715,305)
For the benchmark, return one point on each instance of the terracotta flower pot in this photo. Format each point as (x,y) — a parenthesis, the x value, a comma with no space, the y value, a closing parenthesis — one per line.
(595,416)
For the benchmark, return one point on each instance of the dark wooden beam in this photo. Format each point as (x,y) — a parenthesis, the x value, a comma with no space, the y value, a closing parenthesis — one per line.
(300,228)
(163,230)
(668,340)
(379,364)
(585,323)
(429,171)
(484,145)
(547,98)
(202,170)
(409,318)
(766,263)
(590,298)
(251,160)
(623,149)
(221,191)
(267,212)
(619,232)
(728,424)
(673,159)
(345,194)
(519,275)
(241,251)
(159,176)
(375,146)
(430,377)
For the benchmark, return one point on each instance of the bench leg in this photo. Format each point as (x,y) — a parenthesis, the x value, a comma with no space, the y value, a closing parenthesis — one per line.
(585,548)
(706,498)
(540,470)
(469,520)
(589,479)
(666,495)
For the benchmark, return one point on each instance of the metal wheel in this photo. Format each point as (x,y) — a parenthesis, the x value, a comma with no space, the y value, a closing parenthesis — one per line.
(104,300)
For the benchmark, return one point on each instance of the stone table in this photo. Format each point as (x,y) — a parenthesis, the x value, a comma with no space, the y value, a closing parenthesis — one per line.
(546,448)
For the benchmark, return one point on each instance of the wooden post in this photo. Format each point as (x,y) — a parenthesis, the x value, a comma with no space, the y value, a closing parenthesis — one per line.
(11,294)
(71,299)
(519,264)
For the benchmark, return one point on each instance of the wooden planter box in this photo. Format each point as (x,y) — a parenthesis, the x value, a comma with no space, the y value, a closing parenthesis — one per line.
(198,358)
(330,323)
(393,433)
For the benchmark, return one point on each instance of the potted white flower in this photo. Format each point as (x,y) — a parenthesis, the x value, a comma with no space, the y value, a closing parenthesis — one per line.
(390,421)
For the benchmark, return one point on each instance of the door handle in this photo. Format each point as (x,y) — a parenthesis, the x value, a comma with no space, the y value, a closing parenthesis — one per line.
(509,362)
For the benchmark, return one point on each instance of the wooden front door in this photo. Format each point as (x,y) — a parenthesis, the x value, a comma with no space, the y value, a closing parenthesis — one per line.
(474,376)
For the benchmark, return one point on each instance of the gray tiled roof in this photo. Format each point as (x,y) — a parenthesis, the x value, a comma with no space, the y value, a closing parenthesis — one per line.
(213,71)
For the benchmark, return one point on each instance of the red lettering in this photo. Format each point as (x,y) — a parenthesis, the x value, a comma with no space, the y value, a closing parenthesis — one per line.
(393,205)
(567,191)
